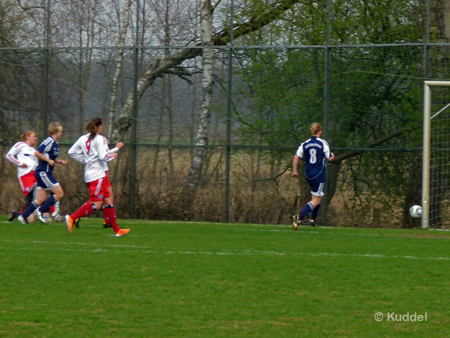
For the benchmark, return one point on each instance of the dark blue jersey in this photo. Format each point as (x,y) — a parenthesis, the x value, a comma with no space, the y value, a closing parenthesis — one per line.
(316,153)
(48,148)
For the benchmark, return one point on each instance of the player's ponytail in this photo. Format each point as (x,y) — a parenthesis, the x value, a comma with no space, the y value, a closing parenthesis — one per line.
(92,126)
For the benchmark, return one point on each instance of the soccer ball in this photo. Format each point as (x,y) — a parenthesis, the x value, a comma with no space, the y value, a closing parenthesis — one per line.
(415,211)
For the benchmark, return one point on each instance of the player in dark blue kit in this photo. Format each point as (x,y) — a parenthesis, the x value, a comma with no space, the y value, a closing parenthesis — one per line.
(316,154)
(47,154)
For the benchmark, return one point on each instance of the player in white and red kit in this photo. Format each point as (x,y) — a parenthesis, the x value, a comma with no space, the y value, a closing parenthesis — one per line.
(22,154)
(47,153)
(92,150)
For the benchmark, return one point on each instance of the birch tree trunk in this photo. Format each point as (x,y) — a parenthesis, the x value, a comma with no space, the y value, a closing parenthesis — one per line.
(201,137)
(158,67)
(86,29)
(112,107)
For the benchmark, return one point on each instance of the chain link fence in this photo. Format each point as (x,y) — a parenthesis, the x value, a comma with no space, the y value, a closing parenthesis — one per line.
(363,81)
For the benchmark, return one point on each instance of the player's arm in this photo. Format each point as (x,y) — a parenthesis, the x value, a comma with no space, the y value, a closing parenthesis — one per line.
(76,152)
(111,154)
(11,156)
(102,148)
(60,161)
(327,151)
(295,165)
(45,147)
(41,156)
(331,158)
(116,148)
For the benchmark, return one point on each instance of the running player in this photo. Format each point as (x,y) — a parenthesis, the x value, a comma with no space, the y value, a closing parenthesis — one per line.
(91,150)
(22,154)
(47,154)
(316,153)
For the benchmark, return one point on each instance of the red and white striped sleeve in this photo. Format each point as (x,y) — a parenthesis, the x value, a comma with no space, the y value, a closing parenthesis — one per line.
(12,153)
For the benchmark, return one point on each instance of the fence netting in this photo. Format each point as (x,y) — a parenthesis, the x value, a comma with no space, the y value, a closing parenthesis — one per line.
(362,80)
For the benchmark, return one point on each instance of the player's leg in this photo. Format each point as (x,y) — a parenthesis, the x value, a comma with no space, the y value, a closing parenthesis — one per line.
(56,212)
(40,198)
(317,201)
(49,182)
(94,203)
(111,196)
(13,214)
(29,187)
(57,195)
(32,196)
(109,213)
(316,198)
(314,214)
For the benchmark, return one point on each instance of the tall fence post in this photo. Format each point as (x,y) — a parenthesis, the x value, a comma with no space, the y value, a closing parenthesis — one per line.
(46,119)
(133,179)
(426,44)
(327,106)
(229,114)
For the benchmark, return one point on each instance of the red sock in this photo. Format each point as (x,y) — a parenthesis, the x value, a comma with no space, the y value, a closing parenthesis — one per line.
(85,209)
(110,217)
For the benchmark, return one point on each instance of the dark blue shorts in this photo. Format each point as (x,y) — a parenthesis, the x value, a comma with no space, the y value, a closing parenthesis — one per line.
(317,189)
(45,180)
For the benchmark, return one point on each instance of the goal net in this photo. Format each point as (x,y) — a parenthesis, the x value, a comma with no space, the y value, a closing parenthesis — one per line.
(436,155)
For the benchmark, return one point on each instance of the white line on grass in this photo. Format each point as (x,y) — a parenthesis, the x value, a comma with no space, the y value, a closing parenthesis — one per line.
(144,249)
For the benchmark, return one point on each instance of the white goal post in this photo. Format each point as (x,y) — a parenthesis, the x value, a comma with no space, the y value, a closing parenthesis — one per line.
(426,159)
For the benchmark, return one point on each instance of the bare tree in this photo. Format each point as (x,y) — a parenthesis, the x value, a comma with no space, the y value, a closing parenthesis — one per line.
(201,138)
(158,67)
(86,33)
(170,64)
(123,33)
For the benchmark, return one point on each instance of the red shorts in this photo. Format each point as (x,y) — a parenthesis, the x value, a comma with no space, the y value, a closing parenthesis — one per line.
(27,182)
(98,190)
(106,179)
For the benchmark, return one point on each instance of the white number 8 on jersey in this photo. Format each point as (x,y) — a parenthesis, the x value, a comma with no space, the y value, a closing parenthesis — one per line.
(312,155)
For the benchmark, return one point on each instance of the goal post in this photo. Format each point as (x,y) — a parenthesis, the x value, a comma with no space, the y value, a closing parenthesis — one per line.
(429,115)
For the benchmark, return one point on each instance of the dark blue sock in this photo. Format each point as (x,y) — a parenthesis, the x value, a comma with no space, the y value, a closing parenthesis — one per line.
(30,209)
(306,209)
(315,212)
(47,204)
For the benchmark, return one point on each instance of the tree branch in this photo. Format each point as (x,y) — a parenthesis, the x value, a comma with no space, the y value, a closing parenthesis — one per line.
(342,157)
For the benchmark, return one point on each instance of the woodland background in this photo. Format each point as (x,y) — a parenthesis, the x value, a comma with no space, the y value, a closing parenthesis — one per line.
(212,99)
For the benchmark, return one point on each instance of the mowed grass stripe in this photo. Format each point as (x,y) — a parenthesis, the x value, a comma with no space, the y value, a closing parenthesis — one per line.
(175,279)
(143,249)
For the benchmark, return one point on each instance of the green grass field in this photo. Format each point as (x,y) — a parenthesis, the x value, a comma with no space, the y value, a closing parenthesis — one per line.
(180,279)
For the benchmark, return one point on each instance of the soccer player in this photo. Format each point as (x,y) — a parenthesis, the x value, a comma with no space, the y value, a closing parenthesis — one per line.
(316,154)
(22,154)
(108,185)
(91,150)
(47,154)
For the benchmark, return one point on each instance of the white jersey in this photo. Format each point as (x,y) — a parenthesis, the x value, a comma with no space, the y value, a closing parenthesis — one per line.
(21,153)
(93,153)
(109,152)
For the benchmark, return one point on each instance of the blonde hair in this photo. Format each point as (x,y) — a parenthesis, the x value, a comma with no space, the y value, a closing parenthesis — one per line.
(54,128)
(315,128)
(24,137)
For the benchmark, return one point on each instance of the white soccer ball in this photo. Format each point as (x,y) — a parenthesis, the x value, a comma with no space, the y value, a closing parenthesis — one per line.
(415,211)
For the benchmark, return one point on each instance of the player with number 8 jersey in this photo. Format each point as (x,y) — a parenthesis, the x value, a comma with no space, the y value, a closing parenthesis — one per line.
(316,153)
